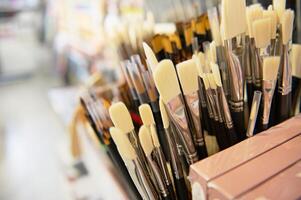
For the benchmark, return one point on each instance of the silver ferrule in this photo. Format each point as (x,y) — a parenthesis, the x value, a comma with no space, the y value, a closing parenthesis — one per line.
(247,61)
(180,118)
(252,58)
(160,158)
(257,67)
(234,55)
(145,181)
(192,101)
(285,78)
(158,175)
(211,101)
(210,107)
(174,158)
(222,63)
(225,107)
(272,49)
(217,105)
(268,87)
(254,113)
(201,92)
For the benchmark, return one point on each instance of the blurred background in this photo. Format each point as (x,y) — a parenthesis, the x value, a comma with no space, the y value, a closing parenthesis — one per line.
(49,51)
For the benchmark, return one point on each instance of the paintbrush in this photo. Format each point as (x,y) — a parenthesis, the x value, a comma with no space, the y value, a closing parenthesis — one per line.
(149,122)
(134,165)
(295,58)
(233,27)
(177,170)
(166,81)
(253,113)
(270,72)
(188,77)
(272,15)
(149,150)
(285,71)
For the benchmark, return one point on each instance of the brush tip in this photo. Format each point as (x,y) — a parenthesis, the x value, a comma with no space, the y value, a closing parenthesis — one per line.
(296,60)
(121,117)
(146,114)
(216,74)
(270,67)
(188,76)
(287,23)
(146,140)
(164,115)
(154,136)
(211,81)
(150,56)
(166,80)
(262,32)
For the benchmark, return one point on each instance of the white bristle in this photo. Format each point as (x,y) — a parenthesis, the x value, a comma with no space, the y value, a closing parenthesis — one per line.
(216,74)
(121,117)
(214,26)
(206,81)
(146,140)
(150,56)
(232,24)
(270,7)
(213,52)
(164,115)
(200,61)
(146,114)
(270,67)
(279,7)
(287,23)
(125,148)
(114,132)
(211,81)
(154,136)
(165,28)
(296,60)
(273,16)
(166,80)
(262,32)
(253,13)
(188,76)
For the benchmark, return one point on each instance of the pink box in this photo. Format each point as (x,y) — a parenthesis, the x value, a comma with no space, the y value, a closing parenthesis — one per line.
(286,185)
(241,180)
(211,168)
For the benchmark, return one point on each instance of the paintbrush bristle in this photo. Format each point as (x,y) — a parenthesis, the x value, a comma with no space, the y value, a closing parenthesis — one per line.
(270,67)
(233,25)
(213,57)
(287,23)
(214,25)
(206,81)
(146,140)
(164,115)
(154,136)
(262,32)
(166,80)
(123,144)
(253,13)
(271,14)
(150,56)
(188,76)
(296,60)
(200,62)
(279,7)
(146,114)
(211,81)
(121,117)
(216,74)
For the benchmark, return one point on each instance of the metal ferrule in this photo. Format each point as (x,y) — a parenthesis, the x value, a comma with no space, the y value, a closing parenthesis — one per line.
(180,119)
(247,61)
(158,176)
(212,103)
(272,49)
(145,181)
(257,67)
(235,70)
(201,92)
(252,59)
(222,63)
(143,97)
(225,108)
(210,107)
(174,158)
(217,105)
(268,87)
(285,78)
(162,165)
(278,43)
(192,101)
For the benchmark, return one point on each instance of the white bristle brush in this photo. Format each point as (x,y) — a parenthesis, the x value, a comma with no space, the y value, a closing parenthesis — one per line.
(150,56)
(279,7)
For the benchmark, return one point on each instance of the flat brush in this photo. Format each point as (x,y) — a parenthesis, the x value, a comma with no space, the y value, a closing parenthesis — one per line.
(150,56)
(233,27)
(188,76)
(285,71)
(272,15)
(149,122)
(166,81)
(254,113)
(296,72)
(270,72)
(177,170)
(134,165)
(148,148)
(229,126)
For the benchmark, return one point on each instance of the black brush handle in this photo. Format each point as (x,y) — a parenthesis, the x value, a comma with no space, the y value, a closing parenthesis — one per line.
(284,107)
(205,120)
(171,191)
(202,151)
(221,137)
(232,135)
(239,123)
(168,197)
(212,127)
(181,189)
(250,94)
(264,127)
